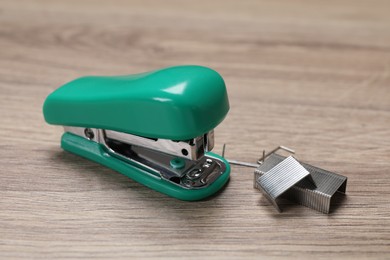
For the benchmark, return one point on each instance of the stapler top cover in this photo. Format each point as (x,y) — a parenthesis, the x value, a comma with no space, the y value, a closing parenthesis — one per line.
(175,103)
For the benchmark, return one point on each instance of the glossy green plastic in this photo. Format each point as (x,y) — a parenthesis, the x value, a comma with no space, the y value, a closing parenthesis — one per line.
(175,103)
(96,152)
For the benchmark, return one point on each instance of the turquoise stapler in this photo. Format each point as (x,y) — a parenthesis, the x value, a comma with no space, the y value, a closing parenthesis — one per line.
(155,127)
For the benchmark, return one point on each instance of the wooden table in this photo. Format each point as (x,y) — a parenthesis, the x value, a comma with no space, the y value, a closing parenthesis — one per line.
(310,75)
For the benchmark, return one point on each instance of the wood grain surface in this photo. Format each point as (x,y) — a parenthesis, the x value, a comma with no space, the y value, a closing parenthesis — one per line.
(310,75)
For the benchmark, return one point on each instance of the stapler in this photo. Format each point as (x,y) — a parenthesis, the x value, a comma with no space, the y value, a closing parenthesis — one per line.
(155,127)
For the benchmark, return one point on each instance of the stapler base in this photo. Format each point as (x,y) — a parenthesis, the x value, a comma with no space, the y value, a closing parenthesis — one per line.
(97,153)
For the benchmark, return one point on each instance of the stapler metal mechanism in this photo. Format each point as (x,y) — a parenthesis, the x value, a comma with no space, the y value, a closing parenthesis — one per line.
(155,127)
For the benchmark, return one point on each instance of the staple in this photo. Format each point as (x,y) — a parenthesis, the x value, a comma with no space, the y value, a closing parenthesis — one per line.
(281,147)
(316,193)
(278,180)
(239,163)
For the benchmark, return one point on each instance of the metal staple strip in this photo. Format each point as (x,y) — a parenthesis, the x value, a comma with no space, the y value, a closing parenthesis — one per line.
(281,178)
(318,196)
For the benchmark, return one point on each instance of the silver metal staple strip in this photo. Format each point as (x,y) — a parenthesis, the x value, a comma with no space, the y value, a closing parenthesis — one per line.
(281,178)
(315,193)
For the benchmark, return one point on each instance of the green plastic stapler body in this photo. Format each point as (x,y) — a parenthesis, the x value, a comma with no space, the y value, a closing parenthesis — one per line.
(154,127)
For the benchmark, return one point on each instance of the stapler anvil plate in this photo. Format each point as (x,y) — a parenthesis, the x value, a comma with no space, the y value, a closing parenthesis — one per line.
(155,127)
